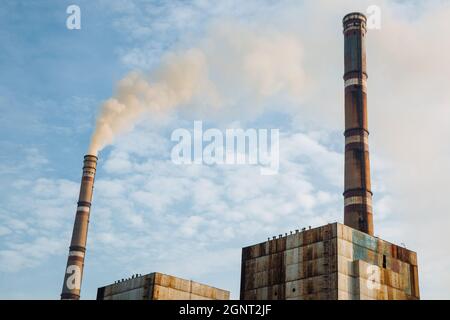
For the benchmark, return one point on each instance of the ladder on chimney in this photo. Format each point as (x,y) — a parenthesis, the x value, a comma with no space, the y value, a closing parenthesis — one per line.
(327,259)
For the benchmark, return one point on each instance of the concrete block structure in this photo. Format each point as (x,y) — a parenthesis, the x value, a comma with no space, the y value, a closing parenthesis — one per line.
(332,262)
(158,286)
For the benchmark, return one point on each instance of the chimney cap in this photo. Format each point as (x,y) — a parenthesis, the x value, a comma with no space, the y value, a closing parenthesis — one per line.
(354,15)
(90,155)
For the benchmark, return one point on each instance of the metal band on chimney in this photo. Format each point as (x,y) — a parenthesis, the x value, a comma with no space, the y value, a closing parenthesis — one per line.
(77,248)
(76,253)
(357,138)
(358,200)
(83,209)
(356,82)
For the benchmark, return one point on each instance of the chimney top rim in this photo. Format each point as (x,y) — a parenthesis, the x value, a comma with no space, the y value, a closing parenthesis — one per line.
(90,155)
(354,15)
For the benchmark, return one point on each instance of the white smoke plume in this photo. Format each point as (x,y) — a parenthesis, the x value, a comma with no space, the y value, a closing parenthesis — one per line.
(230,59)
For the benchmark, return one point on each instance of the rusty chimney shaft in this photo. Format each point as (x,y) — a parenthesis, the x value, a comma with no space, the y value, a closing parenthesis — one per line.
(357,190)
(75,262)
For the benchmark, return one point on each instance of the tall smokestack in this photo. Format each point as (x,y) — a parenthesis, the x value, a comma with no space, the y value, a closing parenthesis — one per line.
(357,190)
(75,262)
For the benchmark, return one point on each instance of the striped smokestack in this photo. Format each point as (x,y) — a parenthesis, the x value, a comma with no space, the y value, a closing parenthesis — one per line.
(75,262)
(357,190)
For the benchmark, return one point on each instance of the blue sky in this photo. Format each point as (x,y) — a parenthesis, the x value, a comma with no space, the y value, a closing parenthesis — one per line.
(192,221)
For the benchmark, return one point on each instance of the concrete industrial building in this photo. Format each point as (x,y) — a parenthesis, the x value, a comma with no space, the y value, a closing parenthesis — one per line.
(332,262)
(158,286)
(337,262)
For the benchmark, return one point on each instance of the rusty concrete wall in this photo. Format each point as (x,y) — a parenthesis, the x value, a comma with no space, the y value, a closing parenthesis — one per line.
(158,286)
(139,288)
(172,288)
(298,266)
(330,262)
(371,268)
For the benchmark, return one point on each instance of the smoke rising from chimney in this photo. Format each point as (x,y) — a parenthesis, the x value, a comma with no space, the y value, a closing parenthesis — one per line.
(180,77)
(231,61)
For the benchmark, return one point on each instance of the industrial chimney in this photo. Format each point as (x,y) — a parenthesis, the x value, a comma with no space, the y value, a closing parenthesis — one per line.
(75,262)
(357,190)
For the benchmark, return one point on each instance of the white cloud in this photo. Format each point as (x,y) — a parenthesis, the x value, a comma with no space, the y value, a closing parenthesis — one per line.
(4,231)
(29,254)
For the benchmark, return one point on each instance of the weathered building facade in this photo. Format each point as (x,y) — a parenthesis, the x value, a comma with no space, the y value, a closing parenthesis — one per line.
(158,286)
(332,262)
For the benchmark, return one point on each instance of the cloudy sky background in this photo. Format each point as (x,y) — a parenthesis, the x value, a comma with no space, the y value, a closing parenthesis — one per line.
(192,221)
